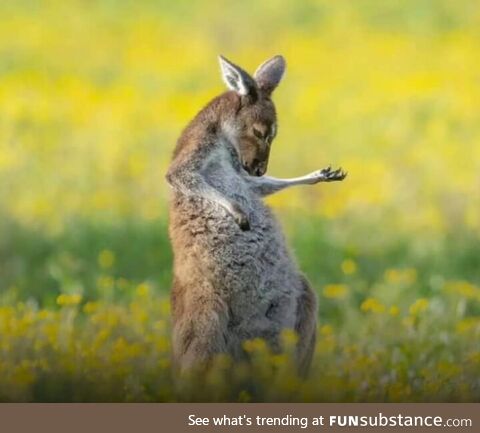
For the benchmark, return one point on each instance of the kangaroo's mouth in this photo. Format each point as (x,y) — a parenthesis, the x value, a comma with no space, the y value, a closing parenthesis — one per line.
(255,168)
(259,171)
(254,171)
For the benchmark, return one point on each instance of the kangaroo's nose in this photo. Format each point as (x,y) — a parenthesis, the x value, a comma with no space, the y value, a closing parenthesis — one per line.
(260,170)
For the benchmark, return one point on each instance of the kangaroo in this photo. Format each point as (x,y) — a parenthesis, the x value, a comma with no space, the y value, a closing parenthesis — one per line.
(234,278)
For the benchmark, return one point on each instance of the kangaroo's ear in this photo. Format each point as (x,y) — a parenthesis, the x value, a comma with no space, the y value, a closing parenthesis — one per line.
(270,73)
(236,78)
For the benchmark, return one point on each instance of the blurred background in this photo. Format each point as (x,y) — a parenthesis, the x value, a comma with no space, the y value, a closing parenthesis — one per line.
(93,95)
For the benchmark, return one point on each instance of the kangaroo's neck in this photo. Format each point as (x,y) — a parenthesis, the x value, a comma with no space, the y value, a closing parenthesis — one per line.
(213,122)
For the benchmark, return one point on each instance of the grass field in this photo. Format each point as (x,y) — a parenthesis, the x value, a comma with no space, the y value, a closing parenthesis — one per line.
(92,97)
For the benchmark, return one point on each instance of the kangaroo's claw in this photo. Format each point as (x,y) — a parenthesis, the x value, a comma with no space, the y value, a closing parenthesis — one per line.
(241,218)
(329,175)
(325,171)
(243,222)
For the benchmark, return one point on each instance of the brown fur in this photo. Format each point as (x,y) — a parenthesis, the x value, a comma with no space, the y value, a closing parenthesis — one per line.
(234,277)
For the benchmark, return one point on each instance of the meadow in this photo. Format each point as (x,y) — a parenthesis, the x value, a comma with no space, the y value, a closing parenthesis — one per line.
(93,95)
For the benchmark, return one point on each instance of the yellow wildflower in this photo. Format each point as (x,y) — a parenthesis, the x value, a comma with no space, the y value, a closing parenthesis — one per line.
(106,259)
(255,345)
(289,337)
(335,291)
(90,307)
(372,305)
(464,289)
(326,330)
(394,310)
(66,300)
(419,306)
(401,276)
(143,290)
(349,267)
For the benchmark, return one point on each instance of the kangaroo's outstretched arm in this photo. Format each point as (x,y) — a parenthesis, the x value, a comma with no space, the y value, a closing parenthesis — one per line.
(266,185)
(186,175)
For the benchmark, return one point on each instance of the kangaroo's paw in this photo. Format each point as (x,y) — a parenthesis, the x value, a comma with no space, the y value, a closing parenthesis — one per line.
(326,175)
(329,175)
(240,218)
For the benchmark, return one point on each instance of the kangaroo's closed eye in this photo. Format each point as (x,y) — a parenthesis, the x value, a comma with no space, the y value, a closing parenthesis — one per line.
(258,133)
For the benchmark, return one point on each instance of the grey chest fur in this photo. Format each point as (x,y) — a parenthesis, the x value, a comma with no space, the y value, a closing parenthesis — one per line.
(252,268)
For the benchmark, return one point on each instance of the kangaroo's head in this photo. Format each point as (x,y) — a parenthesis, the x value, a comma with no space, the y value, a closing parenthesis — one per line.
(253,125)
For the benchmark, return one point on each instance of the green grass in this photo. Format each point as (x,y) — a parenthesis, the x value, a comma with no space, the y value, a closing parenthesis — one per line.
(92,98)
(389,337)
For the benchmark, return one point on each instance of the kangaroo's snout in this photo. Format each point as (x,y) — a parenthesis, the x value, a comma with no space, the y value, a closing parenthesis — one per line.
(256,167)
(259,171)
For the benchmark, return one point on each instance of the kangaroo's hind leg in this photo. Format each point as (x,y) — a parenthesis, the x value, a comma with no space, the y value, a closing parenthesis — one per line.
(199,326)
(306,326)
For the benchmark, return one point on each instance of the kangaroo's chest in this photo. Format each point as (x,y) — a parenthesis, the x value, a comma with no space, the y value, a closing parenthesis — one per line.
(252,269)
(248,263)
(222,171)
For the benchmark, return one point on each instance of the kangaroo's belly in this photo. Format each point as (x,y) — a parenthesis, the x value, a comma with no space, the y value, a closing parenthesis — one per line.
(252,270)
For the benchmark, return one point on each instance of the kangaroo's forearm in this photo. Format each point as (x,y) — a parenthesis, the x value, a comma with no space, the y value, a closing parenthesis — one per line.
(267,185)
